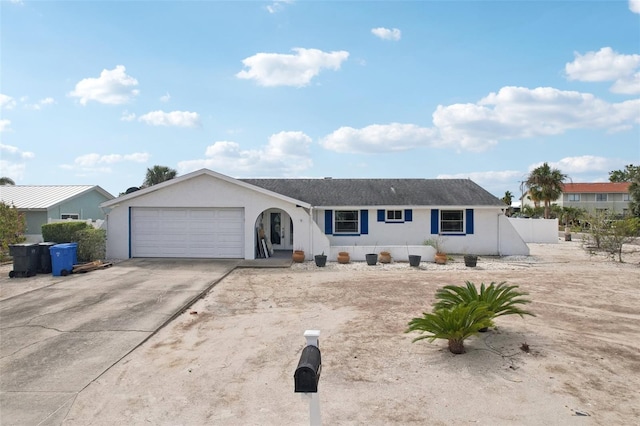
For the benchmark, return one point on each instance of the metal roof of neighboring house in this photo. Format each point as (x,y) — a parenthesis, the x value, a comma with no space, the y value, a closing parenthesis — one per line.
(597,187)
(381,192)
(42,197)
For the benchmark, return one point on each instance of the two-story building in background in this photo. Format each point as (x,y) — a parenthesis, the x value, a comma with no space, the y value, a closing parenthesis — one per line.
(611,197)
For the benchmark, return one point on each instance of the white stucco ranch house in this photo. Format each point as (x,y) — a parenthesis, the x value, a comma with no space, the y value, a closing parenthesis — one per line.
(205,214)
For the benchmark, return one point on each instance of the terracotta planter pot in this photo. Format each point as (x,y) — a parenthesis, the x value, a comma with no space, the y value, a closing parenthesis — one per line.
(441,258)
(385,257)
(298,256)
(343,257)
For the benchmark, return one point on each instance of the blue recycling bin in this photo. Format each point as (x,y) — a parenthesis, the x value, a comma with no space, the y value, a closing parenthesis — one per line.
(63,257)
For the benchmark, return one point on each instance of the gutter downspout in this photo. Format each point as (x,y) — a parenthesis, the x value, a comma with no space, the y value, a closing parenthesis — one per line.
(311,231)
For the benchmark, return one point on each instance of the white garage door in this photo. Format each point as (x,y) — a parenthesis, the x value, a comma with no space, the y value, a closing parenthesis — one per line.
(187,232)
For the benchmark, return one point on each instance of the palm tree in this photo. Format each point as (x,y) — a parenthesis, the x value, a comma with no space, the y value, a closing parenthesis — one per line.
(454,324)
(508,199)
(6,181)
(547,182)
(158,174)
(500,299)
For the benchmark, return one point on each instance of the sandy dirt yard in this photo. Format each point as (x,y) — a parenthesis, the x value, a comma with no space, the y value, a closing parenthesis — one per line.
(230,359)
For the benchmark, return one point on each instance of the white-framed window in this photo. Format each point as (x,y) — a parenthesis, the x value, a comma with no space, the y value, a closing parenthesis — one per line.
(601,197)
(451,221)
(346,222)
(395,215)
(70,216)
(573,197)
(625,197)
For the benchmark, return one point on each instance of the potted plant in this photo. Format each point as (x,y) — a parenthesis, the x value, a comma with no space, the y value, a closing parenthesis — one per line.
(438,244)
(414,260)
(298,256)
(372,258)
(343,257)
(385,256)
(470,260)
(321,260)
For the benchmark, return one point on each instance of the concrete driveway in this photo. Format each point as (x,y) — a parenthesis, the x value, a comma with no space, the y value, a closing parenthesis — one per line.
(58,334)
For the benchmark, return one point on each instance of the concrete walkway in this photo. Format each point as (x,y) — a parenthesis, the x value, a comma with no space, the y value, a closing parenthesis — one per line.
(65,332)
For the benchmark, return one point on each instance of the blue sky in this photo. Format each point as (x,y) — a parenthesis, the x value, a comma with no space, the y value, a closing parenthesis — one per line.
(96,92)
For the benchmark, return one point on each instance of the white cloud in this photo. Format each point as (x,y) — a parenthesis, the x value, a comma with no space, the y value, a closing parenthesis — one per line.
(386,33)
(519,112)
(173,118)
(12,169)
(607,65)
(277,6)
(16,1)
(113,87)
(379,138)
(276,69)
(582,164)
(634,6)
(126,116)
(93,159)
(42,102)
(5,125)
(7,102)
(511,113)
(165,98)
(14,150)
(286,154)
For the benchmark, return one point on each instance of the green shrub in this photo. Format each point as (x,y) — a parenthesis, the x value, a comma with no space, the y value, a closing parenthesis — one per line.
(12,228)
(62,232)
(454,324)
(500,299)
(91,244)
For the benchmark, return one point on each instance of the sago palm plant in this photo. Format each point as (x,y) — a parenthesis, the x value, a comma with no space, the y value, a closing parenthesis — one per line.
(500,299)
(454,324)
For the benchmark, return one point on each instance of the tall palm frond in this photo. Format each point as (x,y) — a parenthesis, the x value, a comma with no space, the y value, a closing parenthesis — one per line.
(500,299)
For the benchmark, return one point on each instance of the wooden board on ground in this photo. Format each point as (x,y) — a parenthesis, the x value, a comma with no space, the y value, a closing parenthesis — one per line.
(91,266)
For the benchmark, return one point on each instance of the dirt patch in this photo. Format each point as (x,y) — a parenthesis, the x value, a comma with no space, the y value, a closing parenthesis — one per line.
(232,362)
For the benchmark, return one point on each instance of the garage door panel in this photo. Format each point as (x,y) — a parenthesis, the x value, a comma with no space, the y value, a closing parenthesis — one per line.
(183,232)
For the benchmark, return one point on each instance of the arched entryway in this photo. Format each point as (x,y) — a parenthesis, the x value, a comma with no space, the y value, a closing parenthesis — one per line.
(273,234)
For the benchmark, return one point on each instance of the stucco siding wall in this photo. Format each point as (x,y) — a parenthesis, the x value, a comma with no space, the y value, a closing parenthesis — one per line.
(87,206)
(382,235)
(205,192)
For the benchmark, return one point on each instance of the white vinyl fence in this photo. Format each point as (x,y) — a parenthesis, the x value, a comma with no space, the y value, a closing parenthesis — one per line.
(536,230)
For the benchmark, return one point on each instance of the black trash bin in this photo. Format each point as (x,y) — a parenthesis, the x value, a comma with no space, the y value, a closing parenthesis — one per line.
(25,260)
(44,263)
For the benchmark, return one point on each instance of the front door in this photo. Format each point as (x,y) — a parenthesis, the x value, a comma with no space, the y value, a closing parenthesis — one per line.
(280,230)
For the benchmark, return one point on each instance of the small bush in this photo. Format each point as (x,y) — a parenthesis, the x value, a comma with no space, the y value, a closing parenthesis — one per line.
(62,232)
(91,244)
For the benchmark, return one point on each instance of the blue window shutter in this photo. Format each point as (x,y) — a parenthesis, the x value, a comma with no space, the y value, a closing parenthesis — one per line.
(380,215)
(469,220)
(328,222)
(364,221)
(435,220)
(408,215)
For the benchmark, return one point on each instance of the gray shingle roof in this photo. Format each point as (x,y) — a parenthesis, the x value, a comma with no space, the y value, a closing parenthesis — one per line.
(42,197)
(381,192)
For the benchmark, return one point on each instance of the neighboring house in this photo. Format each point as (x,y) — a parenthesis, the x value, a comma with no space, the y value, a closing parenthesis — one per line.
(44,204)
(612,197)
(205,214)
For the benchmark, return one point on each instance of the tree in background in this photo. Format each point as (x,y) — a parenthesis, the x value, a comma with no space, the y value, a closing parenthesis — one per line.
(546,182)
(158,174)
(12,227)
(626,175)
(508,199)
(631,174)
(6,181)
